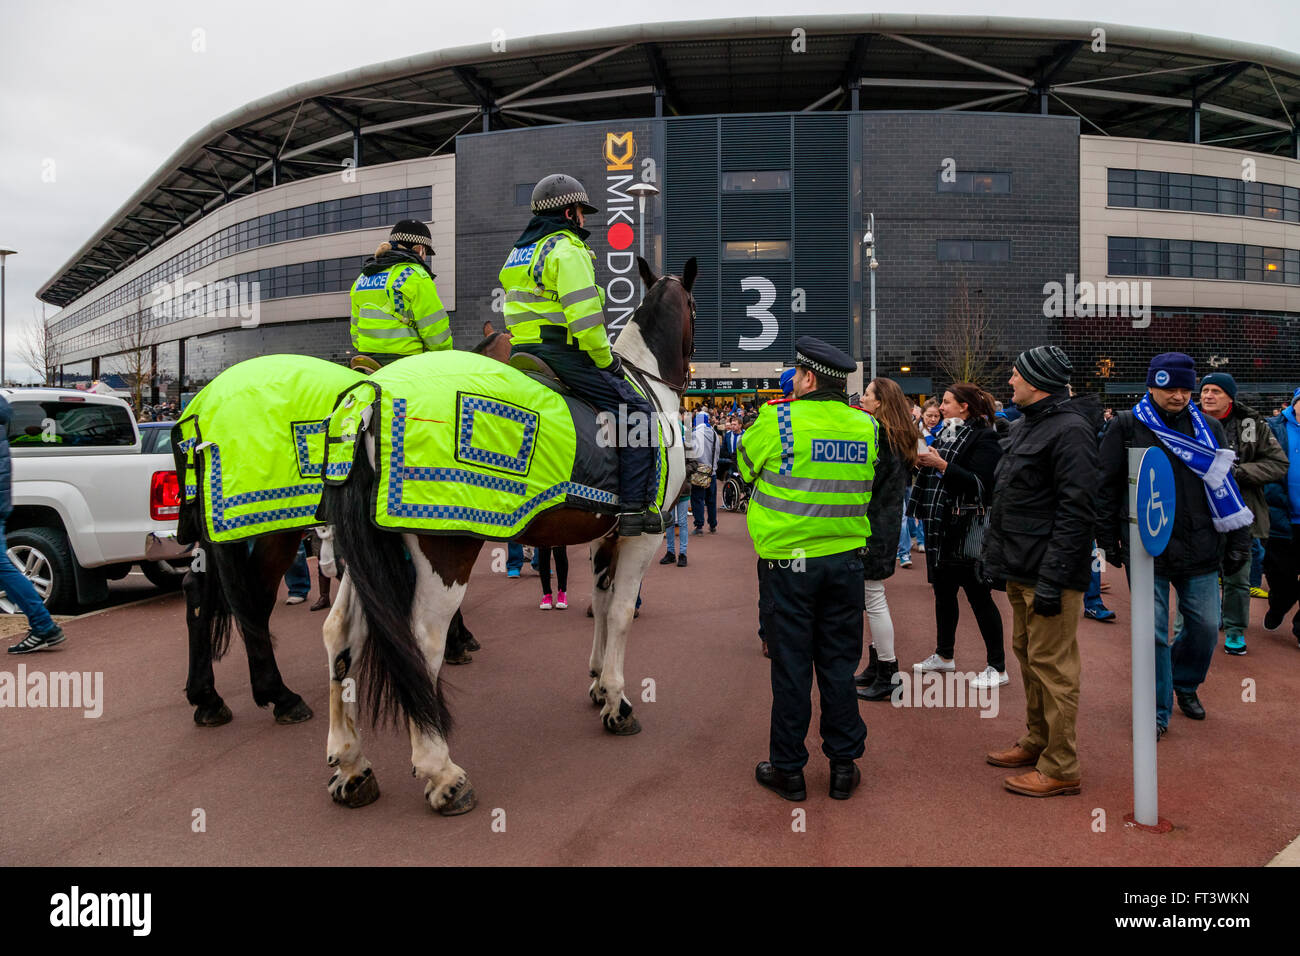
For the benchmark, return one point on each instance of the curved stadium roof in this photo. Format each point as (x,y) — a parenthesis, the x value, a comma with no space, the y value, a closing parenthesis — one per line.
(1143,85)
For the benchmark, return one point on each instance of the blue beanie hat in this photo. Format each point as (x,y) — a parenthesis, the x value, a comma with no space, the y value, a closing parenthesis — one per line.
(1172,370)
(1224,381)
(787,381)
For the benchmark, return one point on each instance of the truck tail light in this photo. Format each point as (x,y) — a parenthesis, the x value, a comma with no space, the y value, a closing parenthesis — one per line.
(164,496)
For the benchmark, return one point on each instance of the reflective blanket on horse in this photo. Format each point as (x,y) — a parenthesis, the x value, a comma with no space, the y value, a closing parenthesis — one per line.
(253,444)
(465,444)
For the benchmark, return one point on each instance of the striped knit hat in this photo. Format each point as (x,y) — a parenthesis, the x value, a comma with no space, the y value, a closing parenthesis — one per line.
(1046,368)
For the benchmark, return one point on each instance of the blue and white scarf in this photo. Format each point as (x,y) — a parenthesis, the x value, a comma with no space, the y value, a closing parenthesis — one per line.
(1202,455)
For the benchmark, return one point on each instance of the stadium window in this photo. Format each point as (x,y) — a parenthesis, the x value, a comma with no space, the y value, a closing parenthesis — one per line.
(524,194)
(976,182)
(756,180)
(973,250)
(756,249)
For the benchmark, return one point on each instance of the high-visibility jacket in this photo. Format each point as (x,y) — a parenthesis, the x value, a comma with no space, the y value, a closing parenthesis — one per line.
(397,311)
(812,462)
(552,282)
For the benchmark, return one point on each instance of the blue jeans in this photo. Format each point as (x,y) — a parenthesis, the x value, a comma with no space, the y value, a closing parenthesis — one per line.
(297,577)
(677,517)
(1092,597)
(20,590)
(1183,666)
(514,556)
(911,529)
(1256,562)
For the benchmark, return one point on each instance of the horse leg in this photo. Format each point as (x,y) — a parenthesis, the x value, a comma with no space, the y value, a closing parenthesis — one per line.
(440,583)
(633,556)
(603,553)
(354,783)
(266,565)
(200,686)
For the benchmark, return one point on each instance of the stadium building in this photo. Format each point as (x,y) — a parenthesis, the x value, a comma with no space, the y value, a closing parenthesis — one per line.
(1118,191)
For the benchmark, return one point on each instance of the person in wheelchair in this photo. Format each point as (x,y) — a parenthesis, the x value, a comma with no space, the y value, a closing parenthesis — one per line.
(555,310)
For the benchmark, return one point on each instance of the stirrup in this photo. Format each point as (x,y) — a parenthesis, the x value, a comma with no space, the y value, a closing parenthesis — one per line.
(364,363)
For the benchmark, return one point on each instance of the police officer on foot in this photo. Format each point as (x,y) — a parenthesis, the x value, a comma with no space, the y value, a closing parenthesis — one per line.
(811,459)
(396,310)
(555,310)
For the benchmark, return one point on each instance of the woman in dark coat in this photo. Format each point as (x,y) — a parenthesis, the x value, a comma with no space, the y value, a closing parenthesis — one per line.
(895,458)
(957,473)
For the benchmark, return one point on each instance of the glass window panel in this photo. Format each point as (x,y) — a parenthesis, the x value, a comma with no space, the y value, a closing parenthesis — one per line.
(762,179)
(756,249)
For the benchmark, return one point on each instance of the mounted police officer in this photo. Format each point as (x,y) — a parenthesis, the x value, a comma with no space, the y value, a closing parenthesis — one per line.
(811,459)
(555,310)
(396,310)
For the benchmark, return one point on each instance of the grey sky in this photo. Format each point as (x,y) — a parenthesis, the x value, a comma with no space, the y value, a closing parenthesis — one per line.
(109,91)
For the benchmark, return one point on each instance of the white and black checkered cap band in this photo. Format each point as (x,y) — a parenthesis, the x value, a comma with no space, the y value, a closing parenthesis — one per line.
(409,237)
(818,367)
(560,202)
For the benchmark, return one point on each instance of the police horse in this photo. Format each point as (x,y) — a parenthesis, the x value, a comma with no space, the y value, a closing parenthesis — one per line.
(389,624)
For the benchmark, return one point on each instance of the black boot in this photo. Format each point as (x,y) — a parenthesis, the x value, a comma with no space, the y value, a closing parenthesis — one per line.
(845,777)
(883,686)
(788,785)
(868,675)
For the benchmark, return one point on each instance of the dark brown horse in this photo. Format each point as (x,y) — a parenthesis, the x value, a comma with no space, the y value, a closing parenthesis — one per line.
(401,591)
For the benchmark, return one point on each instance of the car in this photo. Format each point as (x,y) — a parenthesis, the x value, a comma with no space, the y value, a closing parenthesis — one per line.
(89,502)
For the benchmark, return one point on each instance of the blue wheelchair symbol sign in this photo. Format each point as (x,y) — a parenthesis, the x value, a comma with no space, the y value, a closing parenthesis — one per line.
(1155,501)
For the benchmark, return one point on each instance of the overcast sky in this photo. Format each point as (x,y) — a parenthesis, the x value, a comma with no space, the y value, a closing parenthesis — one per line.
(108,91)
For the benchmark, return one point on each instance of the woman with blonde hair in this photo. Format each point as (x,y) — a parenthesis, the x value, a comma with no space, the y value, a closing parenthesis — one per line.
(895,459)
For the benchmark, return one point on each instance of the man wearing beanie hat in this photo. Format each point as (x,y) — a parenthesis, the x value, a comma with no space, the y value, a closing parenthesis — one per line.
(396,310)
(1211,529)
(1260,460)
(1039,540)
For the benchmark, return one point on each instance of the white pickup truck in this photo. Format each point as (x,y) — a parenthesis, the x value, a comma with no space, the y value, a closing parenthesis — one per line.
(88,504)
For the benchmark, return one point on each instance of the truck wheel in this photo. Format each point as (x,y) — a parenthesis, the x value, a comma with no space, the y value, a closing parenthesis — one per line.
(164,574)
(43,555)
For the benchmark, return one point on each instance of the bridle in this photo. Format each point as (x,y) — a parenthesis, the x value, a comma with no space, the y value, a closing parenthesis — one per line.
(679,390)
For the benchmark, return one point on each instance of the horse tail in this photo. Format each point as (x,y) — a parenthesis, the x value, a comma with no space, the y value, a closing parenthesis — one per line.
(211,610)
(392,666)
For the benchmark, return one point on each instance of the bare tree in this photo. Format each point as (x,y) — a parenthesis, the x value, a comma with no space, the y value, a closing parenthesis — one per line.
(40,348)
(967,340)
(135,362)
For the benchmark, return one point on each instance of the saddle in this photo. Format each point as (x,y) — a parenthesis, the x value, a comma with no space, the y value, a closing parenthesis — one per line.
(538,370)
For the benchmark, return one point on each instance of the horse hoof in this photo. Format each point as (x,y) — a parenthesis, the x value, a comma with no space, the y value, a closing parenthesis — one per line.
(463,802)
(357,791)
(457,657)
(597,699)
(295,714)
(622,726)
(212,716)
(473,645)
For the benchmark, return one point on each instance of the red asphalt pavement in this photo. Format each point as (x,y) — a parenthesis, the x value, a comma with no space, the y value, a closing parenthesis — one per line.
(124,788)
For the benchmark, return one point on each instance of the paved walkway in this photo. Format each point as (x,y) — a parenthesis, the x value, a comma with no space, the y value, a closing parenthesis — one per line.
(124,788)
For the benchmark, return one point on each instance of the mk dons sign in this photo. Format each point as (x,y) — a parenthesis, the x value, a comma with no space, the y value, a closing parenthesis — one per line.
(620,288)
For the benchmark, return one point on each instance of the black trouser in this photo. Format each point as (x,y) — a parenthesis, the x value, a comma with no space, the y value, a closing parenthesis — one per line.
(812,621)
(613,394)
(1281,567)
(702,498)
(950,578)
(561,568)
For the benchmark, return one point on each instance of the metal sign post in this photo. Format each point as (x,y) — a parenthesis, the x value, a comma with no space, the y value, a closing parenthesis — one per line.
(1151,522)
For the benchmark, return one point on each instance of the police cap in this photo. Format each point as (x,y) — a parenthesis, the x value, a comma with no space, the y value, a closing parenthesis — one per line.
(823,358)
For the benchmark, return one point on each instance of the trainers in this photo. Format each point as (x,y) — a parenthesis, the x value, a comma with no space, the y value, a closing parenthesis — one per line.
(39,642)
(1099,613)
(546,604)
(920,549)
(934,663)
(512,573)
(561,600)
(1160,732)
(681,560)
(295,599)
(1235,645)
(906,562)
(988,677)
(1258,592)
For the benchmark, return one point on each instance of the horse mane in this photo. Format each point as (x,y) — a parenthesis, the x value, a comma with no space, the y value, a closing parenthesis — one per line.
(662,339)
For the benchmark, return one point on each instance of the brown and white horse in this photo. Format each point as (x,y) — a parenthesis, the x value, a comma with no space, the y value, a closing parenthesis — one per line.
(389,623)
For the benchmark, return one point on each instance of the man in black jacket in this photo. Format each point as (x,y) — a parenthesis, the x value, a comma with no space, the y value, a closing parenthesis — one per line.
(1039,541)
(1196,552)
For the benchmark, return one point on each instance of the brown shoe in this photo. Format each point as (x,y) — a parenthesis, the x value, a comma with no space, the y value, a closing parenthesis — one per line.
(321,604)
(765,653)
(1013,756)
(1034,784)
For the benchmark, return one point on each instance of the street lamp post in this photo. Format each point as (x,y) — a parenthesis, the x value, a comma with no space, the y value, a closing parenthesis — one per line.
(640,191)
(4,254)
(870,240)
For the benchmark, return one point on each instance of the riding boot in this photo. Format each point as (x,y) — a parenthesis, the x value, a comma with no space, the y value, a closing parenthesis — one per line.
(868,675)
(883,686)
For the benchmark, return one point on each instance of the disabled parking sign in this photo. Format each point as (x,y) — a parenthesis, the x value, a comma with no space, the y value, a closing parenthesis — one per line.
(1155,501)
